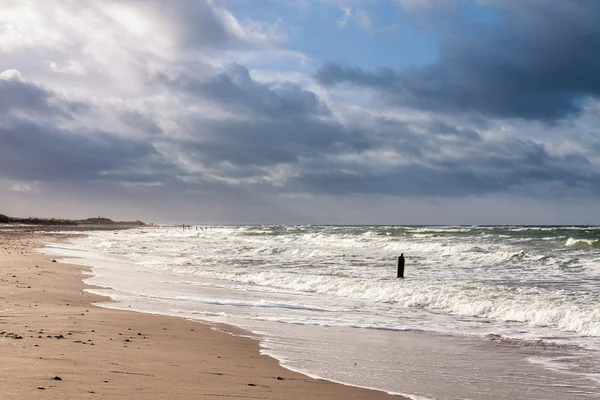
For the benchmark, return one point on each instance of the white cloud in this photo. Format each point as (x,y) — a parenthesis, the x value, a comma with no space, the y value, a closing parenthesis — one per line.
(256,32)
(345,18)
(24,187)
(11,74)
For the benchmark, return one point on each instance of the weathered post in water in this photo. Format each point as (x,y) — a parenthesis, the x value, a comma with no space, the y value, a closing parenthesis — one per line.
(401,266)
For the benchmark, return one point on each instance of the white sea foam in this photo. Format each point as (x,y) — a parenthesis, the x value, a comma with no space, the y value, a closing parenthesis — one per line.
(484,278)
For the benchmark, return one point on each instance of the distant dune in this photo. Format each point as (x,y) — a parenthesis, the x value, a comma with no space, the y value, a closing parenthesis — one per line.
(55,221)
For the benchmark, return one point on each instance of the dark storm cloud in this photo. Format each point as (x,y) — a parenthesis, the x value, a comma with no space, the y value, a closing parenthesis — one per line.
(21,96)
(25,97)
(328,157)
(513,167)
(234,88)
(141,123)
(18,95)
(537,60)
(31,151)
(33,147)
(266,143)
(278,126)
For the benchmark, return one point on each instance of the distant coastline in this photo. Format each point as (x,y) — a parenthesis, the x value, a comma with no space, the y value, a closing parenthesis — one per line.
(89,222)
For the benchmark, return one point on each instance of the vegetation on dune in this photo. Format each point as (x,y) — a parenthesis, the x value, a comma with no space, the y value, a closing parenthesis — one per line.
(55,221)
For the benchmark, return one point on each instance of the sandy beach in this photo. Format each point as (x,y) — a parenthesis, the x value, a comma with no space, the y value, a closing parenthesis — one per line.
(55,344)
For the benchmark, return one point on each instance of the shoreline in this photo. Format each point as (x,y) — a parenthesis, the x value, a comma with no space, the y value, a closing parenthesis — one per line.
(101,352)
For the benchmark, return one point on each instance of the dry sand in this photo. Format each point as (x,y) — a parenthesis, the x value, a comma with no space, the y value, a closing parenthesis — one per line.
(49,328)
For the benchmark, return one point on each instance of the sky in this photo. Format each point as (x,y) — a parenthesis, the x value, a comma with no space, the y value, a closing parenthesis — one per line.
(301,111)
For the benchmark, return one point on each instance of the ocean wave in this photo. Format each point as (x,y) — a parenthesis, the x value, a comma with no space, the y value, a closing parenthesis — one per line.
(571,242)
(534,306)
(491,277)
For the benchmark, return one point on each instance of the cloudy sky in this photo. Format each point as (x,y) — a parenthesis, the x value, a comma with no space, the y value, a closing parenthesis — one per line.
(301,111)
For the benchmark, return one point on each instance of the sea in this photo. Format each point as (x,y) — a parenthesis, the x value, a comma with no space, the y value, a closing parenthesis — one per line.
(483,312)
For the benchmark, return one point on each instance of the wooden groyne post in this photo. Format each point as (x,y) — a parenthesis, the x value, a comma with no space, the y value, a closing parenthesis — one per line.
(401,266)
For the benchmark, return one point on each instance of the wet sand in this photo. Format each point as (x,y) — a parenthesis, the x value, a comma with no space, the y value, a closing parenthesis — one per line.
(55,344)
